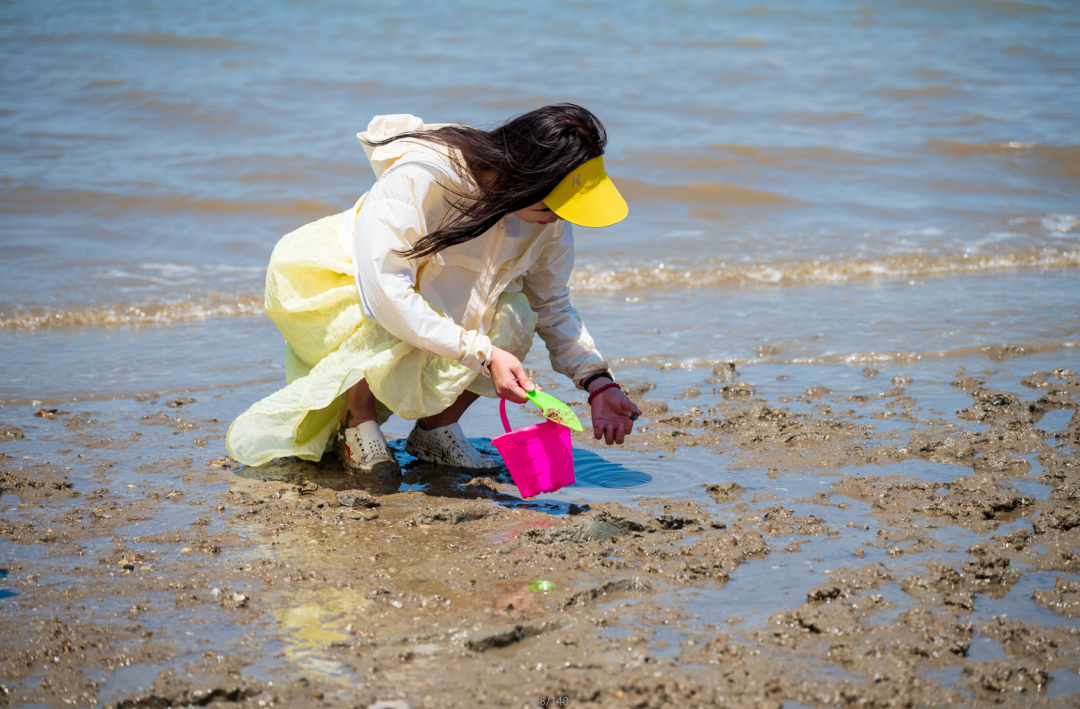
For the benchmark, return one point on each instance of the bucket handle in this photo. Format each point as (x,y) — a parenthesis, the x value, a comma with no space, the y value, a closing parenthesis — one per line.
(502,413)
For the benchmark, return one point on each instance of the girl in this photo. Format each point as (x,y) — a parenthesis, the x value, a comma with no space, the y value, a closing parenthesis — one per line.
(426,294)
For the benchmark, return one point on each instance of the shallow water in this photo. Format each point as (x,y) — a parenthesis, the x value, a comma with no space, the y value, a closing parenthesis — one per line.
(758,144)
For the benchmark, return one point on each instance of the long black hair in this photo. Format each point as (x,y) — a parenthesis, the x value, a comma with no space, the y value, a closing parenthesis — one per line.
(514,166)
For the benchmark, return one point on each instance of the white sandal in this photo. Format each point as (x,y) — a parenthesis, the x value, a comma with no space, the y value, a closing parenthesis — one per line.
(448,446)
(363,449)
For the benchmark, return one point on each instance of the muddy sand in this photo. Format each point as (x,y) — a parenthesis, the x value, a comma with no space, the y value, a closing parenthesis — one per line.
(857,550)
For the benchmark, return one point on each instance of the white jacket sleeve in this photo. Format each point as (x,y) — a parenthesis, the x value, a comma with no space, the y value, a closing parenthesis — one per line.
(405,202)
(547,286)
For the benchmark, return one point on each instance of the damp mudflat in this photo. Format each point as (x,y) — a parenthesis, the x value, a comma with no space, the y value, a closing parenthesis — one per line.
(846,300)
(756,544)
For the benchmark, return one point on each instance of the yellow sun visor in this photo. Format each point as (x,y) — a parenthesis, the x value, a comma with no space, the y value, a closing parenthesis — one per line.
(587,197)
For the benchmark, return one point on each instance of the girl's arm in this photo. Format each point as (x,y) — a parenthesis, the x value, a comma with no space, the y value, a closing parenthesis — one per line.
(395,215)
(547,286)
(573,353)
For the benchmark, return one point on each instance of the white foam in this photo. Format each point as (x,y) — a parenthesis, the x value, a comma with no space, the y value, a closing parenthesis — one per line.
(766,275)
(926,231)
(170,268)
(1063,223)
(677,234)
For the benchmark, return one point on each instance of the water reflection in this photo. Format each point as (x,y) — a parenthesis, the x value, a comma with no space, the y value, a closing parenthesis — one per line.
(321,620)
(592,470)
(429,478)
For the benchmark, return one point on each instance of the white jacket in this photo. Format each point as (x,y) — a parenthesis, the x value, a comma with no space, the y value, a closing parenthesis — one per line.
(444,303)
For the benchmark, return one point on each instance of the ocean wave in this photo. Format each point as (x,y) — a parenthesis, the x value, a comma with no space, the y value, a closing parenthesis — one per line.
(711,194)
(587,279)
(214,277)
(159,39)
(995,352)
(1057,160)
(1009,8)
(726,155)
(1061,223)
(818,271)
(132,315)
(922,92)
(30,199)
(828,118)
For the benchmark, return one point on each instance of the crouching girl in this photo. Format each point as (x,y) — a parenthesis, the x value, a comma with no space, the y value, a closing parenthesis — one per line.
(427,293)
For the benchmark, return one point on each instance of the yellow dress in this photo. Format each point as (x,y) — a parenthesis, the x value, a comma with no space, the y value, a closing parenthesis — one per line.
(330,346)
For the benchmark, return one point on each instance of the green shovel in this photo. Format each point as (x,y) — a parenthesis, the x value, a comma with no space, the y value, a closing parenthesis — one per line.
(555,410)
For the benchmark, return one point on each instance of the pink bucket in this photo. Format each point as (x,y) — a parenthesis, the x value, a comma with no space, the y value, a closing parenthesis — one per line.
(539,457)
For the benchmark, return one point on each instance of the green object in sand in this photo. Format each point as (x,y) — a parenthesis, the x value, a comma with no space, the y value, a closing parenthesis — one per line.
(555,410)
(544,586)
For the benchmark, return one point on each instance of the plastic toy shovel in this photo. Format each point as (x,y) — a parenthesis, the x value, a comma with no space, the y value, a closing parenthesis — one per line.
(555,410)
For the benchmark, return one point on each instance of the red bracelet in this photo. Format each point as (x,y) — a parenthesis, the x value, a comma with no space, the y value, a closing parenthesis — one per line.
(603,388)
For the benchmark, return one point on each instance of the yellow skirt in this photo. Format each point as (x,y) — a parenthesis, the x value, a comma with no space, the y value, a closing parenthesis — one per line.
(330,346)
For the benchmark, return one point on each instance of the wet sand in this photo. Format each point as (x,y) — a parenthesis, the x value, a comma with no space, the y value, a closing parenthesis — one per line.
(850,550)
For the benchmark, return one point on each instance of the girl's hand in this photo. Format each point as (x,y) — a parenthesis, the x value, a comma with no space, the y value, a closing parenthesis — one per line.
(611,411)
(508,376)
